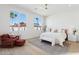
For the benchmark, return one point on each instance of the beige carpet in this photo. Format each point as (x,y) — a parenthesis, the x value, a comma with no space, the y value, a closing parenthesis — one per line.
(73,47)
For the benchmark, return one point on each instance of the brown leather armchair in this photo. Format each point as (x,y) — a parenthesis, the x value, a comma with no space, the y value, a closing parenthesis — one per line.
(7,40)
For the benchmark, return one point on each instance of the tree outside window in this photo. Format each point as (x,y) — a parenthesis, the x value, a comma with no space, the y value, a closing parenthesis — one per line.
(17,21)
(38,23)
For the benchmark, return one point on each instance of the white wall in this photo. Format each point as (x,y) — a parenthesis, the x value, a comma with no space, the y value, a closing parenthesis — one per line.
(66,19)
(5,17)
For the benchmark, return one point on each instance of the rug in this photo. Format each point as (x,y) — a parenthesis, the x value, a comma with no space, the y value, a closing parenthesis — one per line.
(46,46)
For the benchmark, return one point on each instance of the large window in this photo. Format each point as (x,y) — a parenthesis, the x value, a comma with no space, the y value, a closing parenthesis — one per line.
(38,21)
(17,21)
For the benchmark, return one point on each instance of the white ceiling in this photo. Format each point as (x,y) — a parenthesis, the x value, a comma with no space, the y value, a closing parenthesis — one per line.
(52,8)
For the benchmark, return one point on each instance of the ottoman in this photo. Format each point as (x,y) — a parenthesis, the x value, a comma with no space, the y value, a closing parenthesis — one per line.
(19,42)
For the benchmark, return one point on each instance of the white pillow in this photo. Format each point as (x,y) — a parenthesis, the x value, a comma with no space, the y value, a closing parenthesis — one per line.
(47,29)
(70,31)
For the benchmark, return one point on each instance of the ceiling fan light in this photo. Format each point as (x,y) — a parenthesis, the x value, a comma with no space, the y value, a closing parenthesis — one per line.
(45,4)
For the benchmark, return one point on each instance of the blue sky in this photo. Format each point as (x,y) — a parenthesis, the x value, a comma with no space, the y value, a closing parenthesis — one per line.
(20,18)
(23,18)
(40,20)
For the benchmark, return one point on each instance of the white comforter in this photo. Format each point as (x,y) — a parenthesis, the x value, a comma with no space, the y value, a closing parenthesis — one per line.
(53,37)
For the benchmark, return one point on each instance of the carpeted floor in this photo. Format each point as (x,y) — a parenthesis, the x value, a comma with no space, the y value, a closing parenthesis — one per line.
(45,46)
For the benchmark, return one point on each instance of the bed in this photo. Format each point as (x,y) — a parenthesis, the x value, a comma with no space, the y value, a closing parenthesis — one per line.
(54,38)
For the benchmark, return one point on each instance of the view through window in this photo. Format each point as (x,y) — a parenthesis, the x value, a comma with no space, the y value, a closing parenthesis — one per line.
(38,21)
(17,21)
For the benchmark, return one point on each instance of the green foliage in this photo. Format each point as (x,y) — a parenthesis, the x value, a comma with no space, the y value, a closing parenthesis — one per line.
(13,15)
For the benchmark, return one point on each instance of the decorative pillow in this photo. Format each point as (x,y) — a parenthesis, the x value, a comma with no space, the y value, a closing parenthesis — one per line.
(72,31)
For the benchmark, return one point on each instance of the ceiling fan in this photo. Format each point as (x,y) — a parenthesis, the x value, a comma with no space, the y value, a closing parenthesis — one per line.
(42,9)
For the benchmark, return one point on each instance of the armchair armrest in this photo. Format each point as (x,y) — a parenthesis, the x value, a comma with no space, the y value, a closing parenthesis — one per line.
(14,37)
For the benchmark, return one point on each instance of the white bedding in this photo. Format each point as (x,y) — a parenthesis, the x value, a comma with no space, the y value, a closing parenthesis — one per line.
(53,37)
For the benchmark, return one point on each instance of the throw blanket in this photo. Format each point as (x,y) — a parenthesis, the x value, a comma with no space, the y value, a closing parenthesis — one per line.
(54,37)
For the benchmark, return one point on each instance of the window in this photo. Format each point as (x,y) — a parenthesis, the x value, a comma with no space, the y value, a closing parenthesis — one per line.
(17,21)
(38,23)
